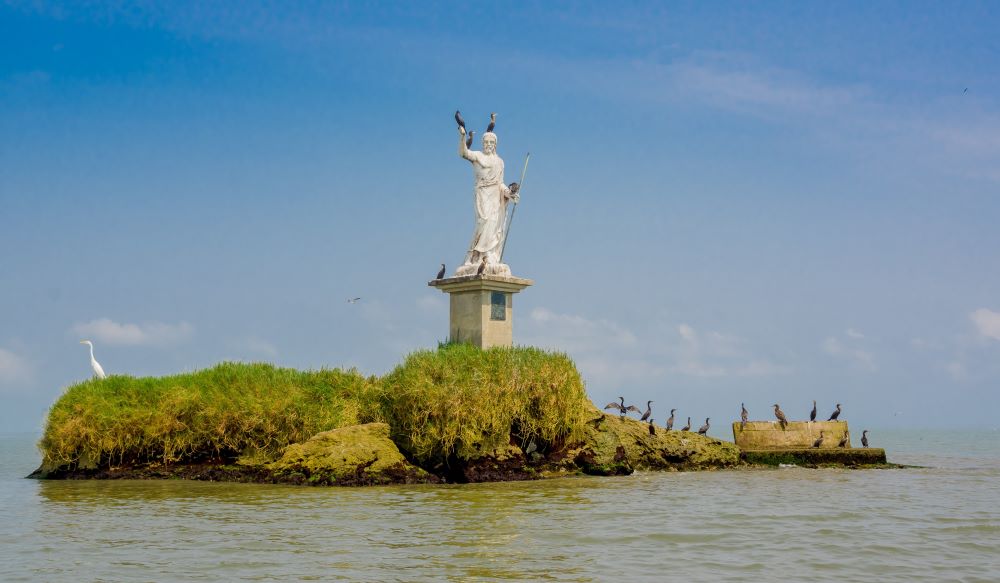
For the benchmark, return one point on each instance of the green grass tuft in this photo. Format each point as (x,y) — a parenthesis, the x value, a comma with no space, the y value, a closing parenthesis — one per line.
(223,411)
(463,401)
(455,401)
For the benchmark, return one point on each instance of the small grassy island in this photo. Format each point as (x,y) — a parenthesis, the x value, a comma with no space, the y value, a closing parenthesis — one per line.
(455,414)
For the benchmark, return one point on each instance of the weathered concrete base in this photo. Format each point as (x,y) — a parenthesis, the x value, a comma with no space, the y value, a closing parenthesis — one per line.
(813,457)
(795,434)
(482,308)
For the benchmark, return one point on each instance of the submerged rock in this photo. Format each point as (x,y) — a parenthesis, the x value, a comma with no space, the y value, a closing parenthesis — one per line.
(359,455)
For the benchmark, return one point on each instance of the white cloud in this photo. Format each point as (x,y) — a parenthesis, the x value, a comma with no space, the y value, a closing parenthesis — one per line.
(571,332)
(257,345)
(957,370)
(859,358)
(607,352)
(714,354)
(13,368)
(149,334)
(987,323)
(854,333)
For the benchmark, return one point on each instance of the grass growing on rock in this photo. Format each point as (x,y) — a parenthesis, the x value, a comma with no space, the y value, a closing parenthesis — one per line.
(457,401)
(226,410)
(465,402)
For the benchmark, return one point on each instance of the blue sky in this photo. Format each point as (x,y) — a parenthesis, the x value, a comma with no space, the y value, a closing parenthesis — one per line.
(727,202)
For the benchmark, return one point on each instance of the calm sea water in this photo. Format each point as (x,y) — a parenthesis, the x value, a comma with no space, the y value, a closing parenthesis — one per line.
(936,523)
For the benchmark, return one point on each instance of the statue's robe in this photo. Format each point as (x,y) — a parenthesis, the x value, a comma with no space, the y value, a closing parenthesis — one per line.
(491,196)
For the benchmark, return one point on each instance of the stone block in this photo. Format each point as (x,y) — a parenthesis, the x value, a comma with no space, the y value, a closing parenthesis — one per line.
(795,434)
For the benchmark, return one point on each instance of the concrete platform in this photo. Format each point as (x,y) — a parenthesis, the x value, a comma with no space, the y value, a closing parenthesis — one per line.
(812,457)
(795,434)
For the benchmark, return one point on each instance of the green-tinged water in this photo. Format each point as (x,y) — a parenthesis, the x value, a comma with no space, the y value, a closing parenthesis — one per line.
(939,522)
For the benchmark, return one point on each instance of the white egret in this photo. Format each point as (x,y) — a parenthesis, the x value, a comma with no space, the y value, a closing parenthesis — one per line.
(98,371)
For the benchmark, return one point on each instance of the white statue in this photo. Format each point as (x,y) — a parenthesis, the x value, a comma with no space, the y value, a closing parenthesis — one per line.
(491,198)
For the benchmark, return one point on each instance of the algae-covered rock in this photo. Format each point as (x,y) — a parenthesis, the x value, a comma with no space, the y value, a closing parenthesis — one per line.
(502,464)
(613,445)
(349,456)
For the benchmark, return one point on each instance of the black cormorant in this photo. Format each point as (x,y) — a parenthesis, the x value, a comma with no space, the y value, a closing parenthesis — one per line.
(835,414)
(622,408)
(482,267)
(688,426)
(819,441)
(864,438)
(812,414)
(458,118)
(781,416)
(704,428)
(670,422)
(744,415)
(468,140)
(649,411)
(493,122)
(440,274)
(652,428)
(844,440)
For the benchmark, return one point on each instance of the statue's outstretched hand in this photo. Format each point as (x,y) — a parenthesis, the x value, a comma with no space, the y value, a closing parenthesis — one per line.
(461,131)
(515,188)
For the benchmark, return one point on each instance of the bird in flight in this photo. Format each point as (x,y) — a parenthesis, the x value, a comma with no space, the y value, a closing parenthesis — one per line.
(353,300)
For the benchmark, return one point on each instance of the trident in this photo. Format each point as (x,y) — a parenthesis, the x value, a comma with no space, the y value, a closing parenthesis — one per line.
(520,187)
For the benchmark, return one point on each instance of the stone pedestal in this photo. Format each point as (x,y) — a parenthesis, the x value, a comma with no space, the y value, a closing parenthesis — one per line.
(482,309)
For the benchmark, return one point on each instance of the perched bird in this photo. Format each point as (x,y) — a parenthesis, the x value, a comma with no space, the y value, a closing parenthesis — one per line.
(670,422)
(493,122)
(649,411)
(744,415)
(622,408)
(704,428)
(468,140)
(864,438)
(482,267)
(819,441)
(835,414)
(781,416)
(688,426)
(652,428)
(98,371)
(353,300)
(458,118)
(965,91)
(440,274)
(844,440)
(812,414)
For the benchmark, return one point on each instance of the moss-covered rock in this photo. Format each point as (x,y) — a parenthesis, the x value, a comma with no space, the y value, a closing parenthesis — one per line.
(613,445)
(815,458)
(350,456)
